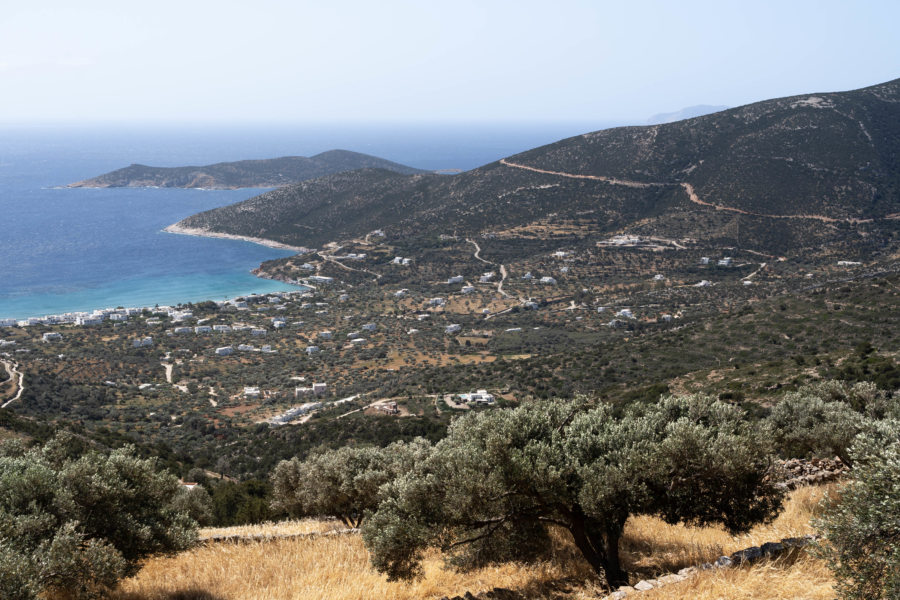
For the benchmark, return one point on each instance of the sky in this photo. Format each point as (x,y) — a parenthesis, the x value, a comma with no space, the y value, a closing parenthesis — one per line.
(298,61)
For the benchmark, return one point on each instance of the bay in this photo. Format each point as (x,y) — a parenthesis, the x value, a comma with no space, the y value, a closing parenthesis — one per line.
(64,250)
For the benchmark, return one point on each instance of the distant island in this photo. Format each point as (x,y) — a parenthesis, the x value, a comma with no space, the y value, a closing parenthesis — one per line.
(272,172)
(689,112)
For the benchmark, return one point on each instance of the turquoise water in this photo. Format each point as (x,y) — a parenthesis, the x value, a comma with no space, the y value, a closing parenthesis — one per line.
(65,250)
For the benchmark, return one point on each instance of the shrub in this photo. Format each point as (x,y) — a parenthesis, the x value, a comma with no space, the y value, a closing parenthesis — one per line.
(861,528)
(79,520)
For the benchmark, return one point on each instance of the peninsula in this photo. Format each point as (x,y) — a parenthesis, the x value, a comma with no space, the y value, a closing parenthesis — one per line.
(272,172)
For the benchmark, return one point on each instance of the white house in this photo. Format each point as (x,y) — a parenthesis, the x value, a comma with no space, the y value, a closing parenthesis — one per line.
(325,335)
(370,326)
(321,279)
(455,279)
(625,313)
(467,289)
(118,317)
(486,277)
(453,328)
(7,322)
(547,280)
(251,392)
(51,337)
(725,262)
(704,260)
(437,302)
(703,283)
(352,335)
(401,293)
(258,332)
(246,348)
(222,328)
(142,342)
(202,329)
(312,349)
(180,330)
(224,351)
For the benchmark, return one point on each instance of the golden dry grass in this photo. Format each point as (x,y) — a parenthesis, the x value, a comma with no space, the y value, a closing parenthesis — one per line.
(290,527)
(337,567)
(804,579)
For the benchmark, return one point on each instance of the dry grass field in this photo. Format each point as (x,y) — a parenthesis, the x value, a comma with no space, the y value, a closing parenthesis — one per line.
(337,568)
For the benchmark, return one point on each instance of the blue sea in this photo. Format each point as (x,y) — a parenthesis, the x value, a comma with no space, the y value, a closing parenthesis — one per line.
(68,250)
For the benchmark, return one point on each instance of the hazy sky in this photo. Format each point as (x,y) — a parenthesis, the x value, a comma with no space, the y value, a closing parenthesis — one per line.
(386,60)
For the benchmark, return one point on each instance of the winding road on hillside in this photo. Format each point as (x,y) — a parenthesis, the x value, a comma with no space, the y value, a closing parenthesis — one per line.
(13,370)
(502,268)
(689,189)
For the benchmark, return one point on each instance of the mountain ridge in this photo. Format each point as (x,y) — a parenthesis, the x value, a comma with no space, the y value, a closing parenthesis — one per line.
(269,172)
(783,174)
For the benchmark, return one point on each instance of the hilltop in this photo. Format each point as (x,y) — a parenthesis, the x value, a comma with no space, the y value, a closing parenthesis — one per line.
(777,176)
(272,172)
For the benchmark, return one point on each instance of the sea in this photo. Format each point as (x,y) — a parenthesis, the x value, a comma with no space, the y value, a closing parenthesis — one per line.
(76,249)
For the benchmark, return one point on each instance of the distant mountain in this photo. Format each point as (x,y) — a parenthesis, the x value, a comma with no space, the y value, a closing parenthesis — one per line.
(775,176)
(272,172)
(685,113)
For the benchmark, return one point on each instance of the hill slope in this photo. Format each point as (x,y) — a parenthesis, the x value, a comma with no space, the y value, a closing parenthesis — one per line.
(774,176)
(272,172)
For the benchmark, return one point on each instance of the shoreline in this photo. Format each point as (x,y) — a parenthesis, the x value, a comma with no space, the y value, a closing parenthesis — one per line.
(200,232)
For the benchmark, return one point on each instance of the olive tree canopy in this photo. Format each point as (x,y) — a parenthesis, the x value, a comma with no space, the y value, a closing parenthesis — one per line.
(342,483)
(513,472)
(79,521)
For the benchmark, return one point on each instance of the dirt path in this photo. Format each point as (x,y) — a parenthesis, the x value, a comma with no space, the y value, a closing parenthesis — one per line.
(335,261)
(502,268)
(13,370)
(688,188)
(168,367)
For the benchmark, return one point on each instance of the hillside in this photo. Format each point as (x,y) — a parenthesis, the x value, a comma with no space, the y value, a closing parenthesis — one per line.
(776,176)
(272,172)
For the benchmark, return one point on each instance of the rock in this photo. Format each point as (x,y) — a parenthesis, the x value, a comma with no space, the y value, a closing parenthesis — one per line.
(617,595)
(688,571)
(646,584)
(772,548)
(723,562)
(746,555)
(671,578)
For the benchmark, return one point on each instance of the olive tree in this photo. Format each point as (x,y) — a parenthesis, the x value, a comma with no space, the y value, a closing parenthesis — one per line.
(861,526)
(823,419)
(342,483)
(585,469)
(79,520)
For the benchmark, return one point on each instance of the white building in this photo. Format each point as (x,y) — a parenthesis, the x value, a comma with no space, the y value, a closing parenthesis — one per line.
(625,313)
(321,279)
(352,335)
(246,348)
(370,326)
(202,329)
(725,262)
(312,349)
(455,279)
(251,392)
(401,293)
(118,317)
(486,277)
(222,328)
(453,328)
(181,330)
(437,302)
(51,337)
(704,260)
(258,332)
(547,280)
(325,335)
(7,322)
(224,351)
(142,342)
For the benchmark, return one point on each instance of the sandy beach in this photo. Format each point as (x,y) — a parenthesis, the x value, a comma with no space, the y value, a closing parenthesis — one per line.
(196,231)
